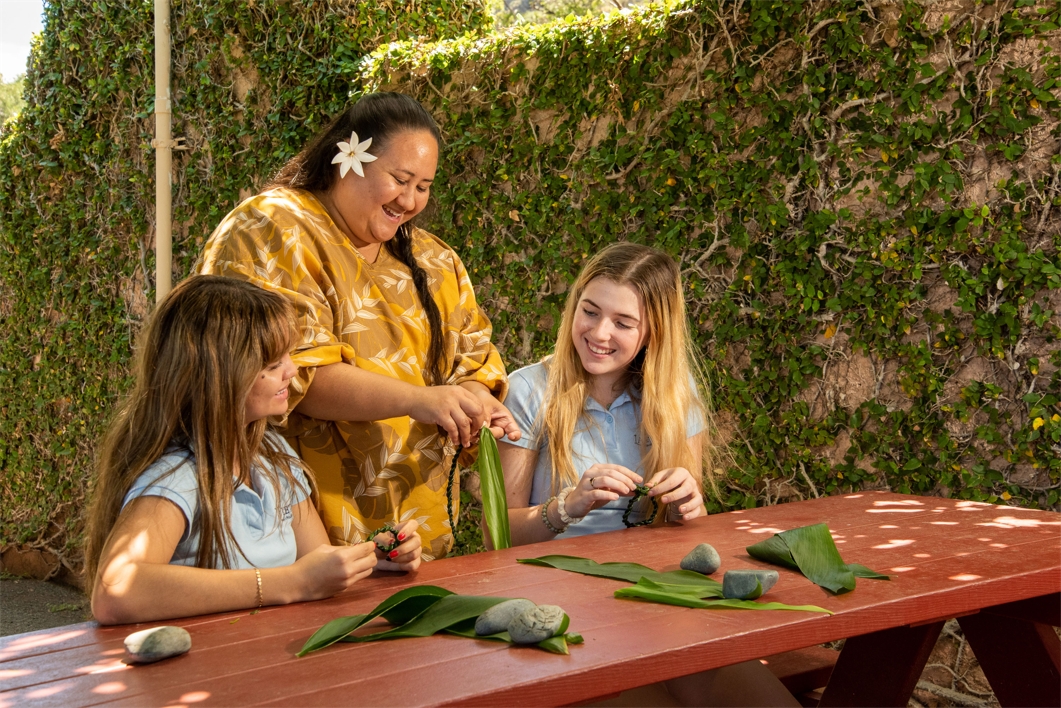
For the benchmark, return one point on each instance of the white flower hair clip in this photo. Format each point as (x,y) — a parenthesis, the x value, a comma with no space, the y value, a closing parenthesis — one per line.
(353,154)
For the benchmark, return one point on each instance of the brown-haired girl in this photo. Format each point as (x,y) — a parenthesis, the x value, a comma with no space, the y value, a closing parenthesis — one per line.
(197,506)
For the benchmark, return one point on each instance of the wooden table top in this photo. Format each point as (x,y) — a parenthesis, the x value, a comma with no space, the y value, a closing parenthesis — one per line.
(947,558)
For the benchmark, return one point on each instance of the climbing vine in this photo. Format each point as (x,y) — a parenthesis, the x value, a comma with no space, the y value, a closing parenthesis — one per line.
(865,198)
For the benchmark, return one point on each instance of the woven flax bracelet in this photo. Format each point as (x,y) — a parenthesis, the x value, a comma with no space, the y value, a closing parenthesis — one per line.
(545,517)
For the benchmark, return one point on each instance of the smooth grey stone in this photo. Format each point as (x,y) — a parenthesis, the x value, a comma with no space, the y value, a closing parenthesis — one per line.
(536,624)
(157,643)
(740,584)
(497,618)
(703,559)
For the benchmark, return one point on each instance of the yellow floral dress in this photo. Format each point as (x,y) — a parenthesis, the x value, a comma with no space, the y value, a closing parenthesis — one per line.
(368,315)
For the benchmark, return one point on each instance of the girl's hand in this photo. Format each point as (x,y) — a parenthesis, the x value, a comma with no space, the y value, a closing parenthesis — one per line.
(456,410)
(407,555)
(328,570)
(602,483)
(677,487)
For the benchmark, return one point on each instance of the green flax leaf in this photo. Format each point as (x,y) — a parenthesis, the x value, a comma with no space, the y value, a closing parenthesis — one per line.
(630,572)
(812,551)
(492,485)
(448,611)
(399,607)
(683,596)
(425,610)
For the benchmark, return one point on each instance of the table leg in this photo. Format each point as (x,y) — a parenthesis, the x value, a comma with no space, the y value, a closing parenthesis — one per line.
(1020,658)
(882,668)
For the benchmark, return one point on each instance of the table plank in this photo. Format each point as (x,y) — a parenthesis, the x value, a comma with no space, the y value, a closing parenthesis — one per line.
(958,553)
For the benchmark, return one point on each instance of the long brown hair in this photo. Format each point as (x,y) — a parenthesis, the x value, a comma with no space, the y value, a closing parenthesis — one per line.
(659,375)
(197,360)
(380,116)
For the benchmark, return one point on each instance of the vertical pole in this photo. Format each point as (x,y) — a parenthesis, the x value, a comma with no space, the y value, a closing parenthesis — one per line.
(163,154)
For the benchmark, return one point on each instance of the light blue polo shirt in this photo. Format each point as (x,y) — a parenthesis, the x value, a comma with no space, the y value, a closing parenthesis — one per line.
(261,523)
(611,435)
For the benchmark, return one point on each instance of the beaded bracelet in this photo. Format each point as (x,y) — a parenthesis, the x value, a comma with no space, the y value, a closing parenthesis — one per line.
(560,505)
(545,517)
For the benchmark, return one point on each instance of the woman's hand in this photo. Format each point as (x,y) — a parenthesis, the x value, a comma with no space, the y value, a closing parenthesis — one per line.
(327,570)
(407,555)
(601,483)
(497,416)
(677,487)
(456,410)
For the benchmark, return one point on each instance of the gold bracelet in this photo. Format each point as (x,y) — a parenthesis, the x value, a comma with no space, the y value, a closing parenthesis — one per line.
(258,576)
(545,518)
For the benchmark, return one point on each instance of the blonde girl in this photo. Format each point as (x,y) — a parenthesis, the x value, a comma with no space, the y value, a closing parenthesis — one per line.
(615,405)
(197,506)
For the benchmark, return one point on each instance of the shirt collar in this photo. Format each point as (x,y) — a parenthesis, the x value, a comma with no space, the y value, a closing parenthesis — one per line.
(593,405)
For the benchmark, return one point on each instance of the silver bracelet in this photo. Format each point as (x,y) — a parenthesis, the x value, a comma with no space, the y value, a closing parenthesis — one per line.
(560,499)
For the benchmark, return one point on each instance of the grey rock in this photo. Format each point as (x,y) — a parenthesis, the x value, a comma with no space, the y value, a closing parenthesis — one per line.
(703,559)
(536,624)
(740,584)
(157,643)
(497,618)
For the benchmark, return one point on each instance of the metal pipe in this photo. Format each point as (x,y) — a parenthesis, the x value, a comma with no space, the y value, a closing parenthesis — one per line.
(163,144)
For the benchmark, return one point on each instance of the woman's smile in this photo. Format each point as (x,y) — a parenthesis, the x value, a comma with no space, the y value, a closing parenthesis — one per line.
(395,188)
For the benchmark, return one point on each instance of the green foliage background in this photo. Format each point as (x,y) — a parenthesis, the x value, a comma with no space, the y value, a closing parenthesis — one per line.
(865,199)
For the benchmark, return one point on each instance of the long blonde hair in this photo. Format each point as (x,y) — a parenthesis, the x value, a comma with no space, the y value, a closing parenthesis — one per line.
(197,361)
(658,376)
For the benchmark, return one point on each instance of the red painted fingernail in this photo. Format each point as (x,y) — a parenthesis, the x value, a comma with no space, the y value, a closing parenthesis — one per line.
(401,536)
(393,554)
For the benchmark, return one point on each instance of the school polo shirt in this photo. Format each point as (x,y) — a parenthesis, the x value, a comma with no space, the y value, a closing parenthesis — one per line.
(261,522)
(603,435)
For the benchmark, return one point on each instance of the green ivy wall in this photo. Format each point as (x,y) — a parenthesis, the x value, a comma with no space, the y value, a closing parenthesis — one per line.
(864,196)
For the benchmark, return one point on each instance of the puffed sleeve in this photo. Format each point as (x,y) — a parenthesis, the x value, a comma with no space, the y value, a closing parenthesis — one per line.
(269,240)
(476,358)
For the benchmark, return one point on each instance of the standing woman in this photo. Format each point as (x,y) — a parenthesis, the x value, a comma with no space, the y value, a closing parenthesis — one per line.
(395,354)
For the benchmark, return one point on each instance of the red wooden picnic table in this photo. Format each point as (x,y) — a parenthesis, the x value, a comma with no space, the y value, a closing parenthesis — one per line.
(996,568)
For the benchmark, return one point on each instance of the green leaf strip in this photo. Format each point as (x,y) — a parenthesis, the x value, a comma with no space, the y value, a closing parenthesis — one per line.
(630,572)
(492,485)
(681,596)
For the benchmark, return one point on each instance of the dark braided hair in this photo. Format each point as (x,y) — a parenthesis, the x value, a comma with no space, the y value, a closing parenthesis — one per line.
(379,116)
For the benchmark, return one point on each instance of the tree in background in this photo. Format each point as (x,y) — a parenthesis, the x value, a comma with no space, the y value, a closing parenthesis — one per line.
(10,99)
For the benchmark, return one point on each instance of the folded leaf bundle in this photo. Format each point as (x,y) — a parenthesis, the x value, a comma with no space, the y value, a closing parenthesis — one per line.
(684,588)
(492,487)
(421,611)
(811,551)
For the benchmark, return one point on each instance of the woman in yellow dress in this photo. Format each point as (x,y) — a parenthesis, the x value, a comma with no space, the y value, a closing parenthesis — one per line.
(397,367)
